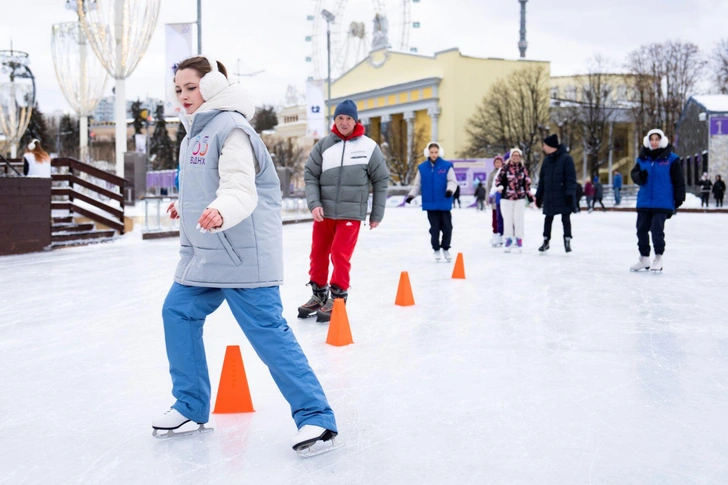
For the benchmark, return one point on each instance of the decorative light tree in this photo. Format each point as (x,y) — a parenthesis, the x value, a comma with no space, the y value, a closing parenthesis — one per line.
(17,98)
(119,32)
(80,74)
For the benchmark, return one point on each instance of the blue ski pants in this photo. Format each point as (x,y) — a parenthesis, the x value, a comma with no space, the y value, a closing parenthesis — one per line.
(258,311)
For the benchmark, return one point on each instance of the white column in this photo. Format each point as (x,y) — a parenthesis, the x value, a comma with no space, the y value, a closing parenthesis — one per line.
(83,119)
(585,157)
(409,117)
(83,138)
(119,12)
(435,118)
(611,150)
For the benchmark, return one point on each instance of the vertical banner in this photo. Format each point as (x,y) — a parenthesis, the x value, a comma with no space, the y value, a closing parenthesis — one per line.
(315,109)
(178,38)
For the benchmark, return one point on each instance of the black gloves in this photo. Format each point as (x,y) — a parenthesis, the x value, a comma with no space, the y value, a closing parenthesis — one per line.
(448,194)
(409,199)
(539,203)
(569,200)
(642,179)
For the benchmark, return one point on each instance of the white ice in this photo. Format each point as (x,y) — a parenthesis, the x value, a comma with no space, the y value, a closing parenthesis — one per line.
(536,369)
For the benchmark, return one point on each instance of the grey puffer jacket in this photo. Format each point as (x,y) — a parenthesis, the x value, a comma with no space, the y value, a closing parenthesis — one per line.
(338,175)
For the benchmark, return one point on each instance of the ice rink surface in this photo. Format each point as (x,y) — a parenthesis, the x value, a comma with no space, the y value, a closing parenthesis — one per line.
(536,369)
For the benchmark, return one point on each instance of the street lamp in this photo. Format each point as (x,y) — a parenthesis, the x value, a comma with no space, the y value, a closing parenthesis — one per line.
(329,19)
(17,98)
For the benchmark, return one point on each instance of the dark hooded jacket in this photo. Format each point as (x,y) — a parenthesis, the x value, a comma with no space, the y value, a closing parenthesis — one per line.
(557,183)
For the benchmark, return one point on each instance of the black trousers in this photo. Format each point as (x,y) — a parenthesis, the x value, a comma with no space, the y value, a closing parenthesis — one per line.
(719,201)
(565,220)
(705,199)
(440,221)
(651,222)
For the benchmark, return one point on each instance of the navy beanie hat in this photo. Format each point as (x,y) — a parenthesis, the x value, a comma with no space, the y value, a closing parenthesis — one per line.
(552,141)
(347,108)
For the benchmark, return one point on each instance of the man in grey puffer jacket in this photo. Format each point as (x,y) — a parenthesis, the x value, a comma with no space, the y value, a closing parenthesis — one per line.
(338,174)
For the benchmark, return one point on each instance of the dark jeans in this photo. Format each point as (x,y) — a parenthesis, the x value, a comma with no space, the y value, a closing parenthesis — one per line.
(565,220)
(617,195)
(440,221)
(719,201)
(599,200)
(705,199)
(653,222)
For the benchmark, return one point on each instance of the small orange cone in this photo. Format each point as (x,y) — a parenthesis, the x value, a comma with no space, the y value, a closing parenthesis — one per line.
(459,271)
(233,394)
(404,292)
(339,330)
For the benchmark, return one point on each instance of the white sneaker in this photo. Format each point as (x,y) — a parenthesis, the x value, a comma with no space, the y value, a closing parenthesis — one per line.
(172,419)
(643,263)
(498,241)
(657,264)
(446,253)
(437,255)
(310,434)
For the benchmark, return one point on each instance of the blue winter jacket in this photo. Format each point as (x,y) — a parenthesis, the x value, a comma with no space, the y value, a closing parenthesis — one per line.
(617,181)
(433,185)
(661,180)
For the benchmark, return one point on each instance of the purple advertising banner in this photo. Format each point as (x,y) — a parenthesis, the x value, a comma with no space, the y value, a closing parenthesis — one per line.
(718,125)
(469,171)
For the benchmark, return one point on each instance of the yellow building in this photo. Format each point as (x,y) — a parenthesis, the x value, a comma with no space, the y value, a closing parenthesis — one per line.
(435,94)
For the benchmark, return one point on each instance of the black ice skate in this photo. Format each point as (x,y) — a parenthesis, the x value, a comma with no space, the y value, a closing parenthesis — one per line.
(545,246)
(324,314)
(312,440)
(318,300)
(567,244)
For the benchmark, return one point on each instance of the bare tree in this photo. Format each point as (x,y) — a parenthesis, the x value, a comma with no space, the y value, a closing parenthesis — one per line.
(403,157)
(287,153)
(514,113)
(665,75)
(719,66)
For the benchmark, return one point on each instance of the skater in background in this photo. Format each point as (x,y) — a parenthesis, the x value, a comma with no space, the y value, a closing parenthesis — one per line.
(36,161)
(456,197)
(229,209)
(589,192)
(556,189)
(494,198)
(718,190)
(435,180)
(662,191)
(617,187)
(598,193)
(480,196)
(705,188)
(338,173)
(579,195)
(515,187)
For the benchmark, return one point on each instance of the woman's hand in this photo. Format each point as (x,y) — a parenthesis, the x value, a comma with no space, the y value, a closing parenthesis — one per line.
(172,211)
(210,219)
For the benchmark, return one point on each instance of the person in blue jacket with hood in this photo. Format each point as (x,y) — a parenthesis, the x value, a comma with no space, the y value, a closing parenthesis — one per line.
(662,190)
(436,181)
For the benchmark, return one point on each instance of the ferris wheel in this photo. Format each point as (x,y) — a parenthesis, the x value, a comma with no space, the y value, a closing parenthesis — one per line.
(358,26)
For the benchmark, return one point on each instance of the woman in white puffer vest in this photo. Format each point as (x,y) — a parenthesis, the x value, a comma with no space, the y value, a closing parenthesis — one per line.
(231,249)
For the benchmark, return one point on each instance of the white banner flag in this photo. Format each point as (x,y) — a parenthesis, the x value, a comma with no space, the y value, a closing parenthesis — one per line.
(179,47)
(315,109)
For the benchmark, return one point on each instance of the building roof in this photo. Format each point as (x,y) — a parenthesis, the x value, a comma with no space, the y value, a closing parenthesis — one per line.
(713,103)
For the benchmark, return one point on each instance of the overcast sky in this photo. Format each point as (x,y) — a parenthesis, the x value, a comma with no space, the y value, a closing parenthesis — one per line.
(271,35)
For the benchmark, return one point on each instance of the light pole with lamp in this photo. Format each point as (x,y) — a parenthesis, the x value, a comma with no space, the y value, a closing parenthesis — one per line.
(329,19)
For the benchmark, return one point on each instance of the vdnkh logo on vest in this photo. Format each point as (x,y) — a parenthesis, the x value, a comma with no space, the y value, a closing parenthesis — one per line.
(199,151)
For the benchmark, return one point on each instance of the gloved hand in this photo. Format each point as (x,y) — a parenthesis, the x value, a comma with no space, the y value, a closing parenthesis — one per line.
(539,203)
(643,177)
(448,193)
(569,201)
(409,199)
(678,204)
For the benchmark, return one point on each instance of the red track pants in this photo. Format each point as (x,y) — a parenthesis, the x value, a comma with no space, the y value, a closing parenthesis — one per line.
(336,239)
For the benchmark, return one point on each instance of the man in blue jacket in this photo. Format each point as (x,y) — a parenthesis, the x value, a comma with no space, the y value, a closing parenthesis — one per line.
(436,181)
(662,191)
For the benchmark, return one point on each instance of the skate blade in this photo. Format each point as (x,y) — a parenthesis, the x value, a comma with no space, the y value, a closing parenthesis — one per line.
(304,314)
(318,448)
(165,434)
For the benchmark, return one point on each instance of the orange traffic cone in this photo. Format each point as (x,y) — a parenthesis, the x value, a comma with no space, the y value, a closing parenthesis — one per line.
(339,330)
(459,271)
(233,394)
(404,292)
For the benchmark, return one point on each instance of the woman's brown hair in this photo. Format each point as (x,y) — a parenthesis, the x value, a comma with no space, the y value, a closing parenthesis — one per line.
(201,65)
(41,155)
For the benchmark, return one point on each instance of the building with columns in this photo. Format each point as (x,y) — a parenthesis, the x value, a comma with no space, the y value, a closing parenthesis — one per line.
(435,95)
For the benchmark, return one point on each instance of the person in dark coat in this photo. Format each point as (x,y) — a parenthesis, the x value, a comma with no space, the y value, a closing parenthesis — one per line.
(705,185)
(718,190)
(598,193)
(480,195)
(556,189)
(579,195)
(662,191)
(456,198)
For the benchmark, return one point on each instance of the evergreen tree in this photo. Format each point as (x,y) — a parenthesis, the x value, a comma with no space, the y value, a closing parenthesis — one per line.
(181,133)
(69,136)
(38,128)
(161,144)
(265,119)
